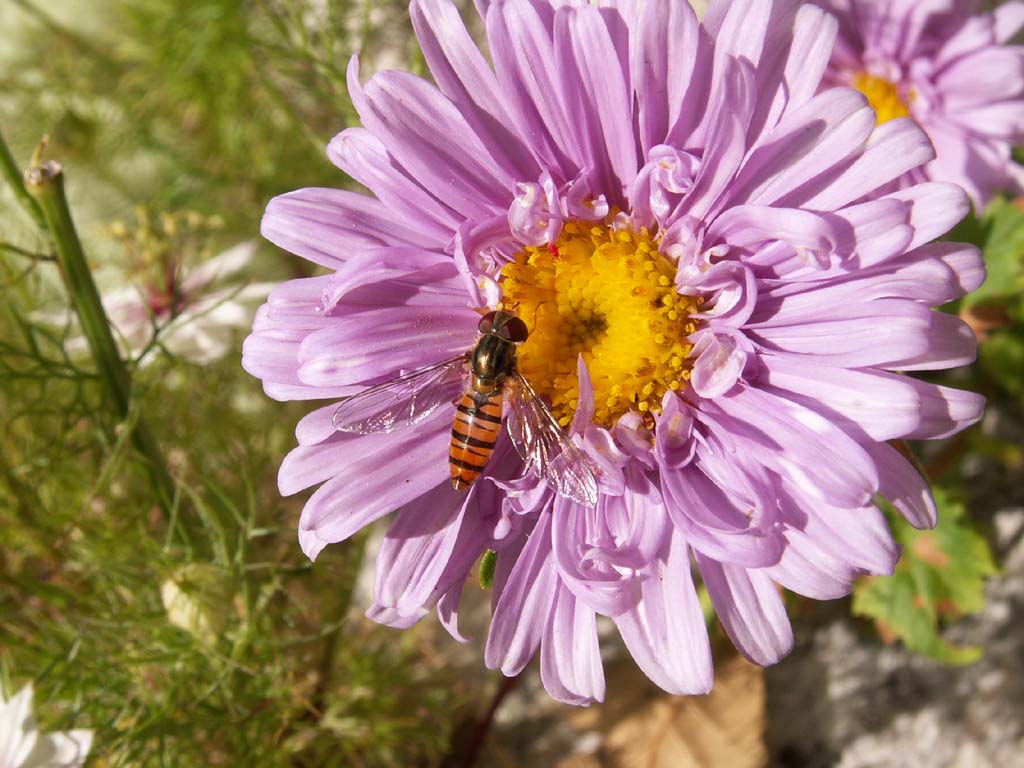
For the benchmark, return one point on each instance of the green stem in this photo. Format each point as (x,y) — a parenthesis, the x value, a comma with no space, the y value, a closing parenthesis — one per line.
(12,173)
(32,255)
(45,184)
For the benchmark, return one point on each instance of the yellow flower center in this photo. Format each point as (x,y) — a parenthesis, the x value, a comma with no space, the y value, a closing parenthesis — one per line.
(882,95)
(610,296)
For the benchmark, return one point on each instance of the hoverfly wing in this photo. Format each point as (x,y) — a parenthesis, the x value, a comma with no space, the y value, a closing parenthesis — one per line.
(545,447)
(401,402)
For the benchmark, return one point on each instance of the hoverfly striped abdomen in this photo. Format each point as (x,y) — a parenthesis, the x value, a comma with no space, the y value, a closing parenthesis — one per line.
(474,433)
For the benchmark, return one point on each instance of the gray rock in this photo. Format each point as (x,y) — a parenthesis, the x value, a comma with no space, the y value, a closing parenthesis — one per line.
(845,699)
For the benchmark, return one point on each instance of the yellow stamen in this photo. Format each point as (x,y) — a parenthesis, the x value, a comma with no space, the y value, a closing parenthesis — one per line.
(883,96)
(609,295)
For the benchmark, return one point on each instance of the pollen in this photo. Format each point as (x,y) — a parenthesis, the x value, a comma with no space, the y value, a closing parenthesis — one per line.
(608,295)
(883,96)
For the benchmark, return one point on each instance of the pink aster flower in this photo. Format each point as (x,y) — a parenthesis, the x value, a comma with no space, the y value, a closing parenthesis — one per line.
(950,69)
(716,318)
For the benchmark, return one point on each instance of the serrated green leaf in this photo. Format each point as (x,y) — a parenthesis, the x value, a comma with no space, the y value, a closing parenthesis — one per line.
(893,603)
(1002,230)
(941,574)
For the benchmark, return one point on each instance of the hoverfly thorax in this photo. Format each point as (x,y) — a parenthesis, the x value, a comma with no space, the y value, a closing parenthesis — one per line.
(494,358)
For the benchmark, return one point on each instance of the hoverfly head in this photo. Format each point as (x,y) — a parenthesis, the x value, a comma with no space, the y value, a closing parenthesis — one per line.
(486,324)
(514,330)
(504,325)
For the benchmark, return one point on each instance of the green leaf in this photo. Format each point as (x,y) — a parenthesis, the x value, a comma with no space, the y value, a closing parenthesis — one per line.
(1002,230)
(941,575)
(487,566)
(1001,356)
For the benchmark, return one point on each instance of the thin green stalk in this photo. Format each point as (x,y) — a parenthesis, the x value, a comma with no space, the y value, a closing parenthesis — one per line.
(12,173)
(45,183)
(31,255)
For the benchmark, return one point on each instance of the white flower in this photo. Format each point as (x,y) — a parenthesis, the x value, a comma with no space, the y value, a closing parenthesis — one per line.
(195,314)
(210,304)
(23,746)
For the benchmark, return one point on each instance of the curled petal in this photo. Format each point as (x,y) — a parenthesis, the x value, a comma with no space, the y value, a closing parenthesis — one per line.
(661,184)
(579,202)
(584,415)
(535,216)
(673,442)
(600,552)
(729,290)
(471,241)
(719,362)
(748,226)
(715,523)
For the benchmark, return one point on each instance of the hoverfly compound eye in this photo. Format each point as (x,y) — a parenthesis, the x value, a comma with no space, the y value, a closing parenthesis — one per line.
(486,323)
(515,330)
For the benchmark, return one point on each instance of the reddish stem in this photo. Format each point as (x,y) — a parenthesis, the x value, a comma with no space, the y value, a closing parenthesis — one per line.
(483,726)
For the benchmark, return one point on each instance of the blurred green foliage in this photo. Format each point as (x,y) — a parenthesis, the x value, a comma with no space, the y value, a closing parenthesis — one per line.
(211,105)
(1001,231)
(940,577)
(999,303)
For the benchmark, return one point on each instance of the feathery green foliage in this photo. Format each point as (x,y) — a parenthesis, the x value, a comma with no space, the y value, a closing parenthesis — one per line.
(206,638)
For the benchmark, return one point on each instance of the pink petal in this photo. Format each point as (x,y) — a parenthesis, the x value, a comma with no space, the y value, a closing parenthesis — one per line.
(373,483)
(570,657)
(750,609)
(665,633)
(904,487)
(524,605)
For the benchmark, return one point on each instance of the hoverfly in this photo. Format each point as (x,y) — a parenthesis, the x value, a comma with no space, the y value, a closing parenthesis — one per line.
(492,373)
